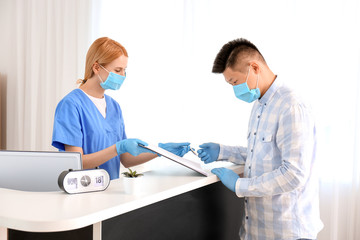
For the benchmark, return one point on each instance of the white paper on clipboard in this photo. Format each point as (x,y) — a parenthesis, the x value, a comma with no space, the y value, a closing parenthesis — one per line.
(183,161)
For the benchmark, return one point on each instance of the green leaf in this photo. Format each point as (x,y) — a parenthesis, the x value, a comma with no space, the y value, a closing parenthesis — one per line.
(132,174)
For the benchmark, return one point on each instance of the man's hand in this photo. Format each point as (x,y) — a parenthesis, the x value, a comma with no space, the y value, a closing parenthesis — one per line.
(227,177)
(209,152)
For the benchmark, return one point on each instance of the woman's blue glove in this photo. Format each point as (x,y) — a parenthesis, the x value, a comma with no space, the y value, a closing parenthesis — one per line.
(209,152)
(227,177)
(179,149)
(131,146)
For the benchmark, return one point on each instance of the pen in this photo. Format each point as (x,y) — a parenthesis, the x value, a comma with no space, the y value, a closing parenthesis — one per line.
(193,151)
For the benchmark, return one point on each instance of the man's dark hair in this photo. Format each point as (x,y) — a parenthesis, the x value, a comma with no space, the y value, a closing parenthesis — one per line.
(234,52)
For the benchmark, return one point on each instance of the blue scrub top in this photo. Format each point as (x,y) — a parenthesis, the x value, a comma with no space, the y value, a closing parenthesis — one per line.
(79,123)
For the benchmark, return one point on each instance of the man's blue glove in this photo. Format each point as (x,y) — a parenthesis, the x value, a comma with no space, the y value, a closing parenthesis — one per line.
(209,152)
(131,146)
(179,149)
(227,177)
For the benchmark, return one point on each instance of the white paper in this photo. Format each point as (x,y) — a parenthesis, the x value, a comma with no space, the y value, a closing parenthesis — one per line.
(183,161)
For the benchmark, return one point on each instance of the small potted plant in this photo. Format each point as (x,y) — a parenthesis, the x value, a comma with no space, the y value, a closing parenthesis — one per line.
(132,174)
(132,182)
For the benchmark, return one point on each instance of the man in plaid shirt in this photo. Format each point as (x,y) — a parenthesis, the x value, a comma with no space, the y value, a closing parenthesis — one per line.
(280,185)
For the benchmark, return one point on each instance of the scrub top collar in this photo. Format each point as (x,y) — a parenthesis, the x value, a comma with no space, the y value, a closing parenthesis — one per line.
(271,91)
(91,103)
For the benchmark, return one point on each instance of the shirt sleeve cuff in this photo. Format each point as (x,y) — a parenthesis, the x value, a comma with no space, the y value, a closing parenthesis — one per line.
(241,187)
(222,154)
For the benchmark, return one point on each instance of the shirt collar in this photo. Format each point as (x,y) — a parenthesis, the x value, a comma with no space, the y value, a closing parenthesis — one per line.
(270,92)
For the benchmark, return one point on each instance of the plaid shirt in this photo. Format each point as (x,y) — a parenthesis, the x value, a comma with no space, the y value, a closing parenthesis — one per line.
(280,185)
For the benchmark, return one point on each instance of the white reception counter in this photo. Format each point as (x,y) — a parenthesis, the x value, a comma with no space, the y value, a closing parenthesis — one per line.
(58,211)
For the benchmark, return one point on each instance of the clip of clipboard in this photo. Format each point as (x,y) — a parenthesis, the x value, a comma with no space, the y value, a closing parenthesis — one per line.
(180,160)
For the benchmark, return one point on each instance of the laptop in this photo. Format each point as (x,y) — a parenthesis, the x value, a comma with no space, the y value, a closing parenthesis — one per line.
(35,171)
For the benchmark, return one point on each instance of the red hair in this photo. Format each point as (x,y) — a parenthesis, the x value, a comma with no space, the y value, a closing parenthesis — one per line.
(103,51)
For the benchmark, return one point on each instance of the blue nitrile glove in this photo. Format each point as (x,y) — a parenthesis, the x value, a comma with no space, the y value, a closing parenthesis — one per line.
(179,149)
(131,146)
(209,152)
(227,176)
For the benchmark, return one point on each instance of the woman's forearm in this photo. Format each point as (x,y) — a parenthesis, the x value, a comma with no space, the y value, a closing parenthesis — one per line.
(129,160)
(94,159)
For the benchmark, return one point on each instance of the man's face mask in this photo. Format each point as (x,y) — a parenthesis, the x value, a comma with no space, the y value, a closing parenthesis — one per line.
(243,92)
(113,81)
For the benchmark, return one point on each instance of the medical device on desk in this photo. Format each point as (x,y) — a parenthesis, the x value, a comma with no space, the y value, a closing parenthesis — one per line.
(81,181)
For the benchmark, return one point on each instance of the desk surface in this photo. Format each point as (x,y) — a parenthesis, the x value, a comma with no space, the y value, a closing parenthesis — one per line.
(58,211)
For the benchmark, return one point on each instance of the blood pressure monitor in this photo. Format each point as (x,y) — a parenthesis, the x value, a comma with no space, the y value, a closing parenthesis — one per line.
(81,181)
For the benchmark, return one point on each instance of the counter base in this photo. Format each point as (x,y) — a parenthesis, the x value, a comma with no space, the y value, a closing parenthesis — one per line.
(210,212)
(77,234)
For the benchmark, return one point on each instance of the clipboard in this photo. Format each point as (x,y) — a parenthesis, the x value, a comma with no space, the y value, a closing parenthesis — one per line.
(183,161)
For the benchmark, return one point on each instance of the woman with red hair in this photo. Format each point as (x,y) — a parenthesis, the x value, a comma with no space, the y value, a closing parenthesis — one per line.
(90,122)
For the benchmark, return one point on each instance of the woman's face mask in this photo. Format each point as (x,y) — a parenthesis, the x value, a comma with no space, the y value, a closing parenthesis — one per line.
(113,81)
(243,92)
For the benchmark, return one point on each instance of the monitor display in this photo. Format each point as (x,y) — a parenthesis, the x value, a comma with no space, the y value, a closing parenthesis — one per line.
(35,171)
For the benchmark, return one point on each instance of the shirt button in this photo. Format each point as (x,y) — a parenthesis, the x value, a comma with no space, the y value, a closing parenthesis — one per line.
(258,116)
(251,150)
(249,167)
(245,200)
(254,133)
(247,217)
